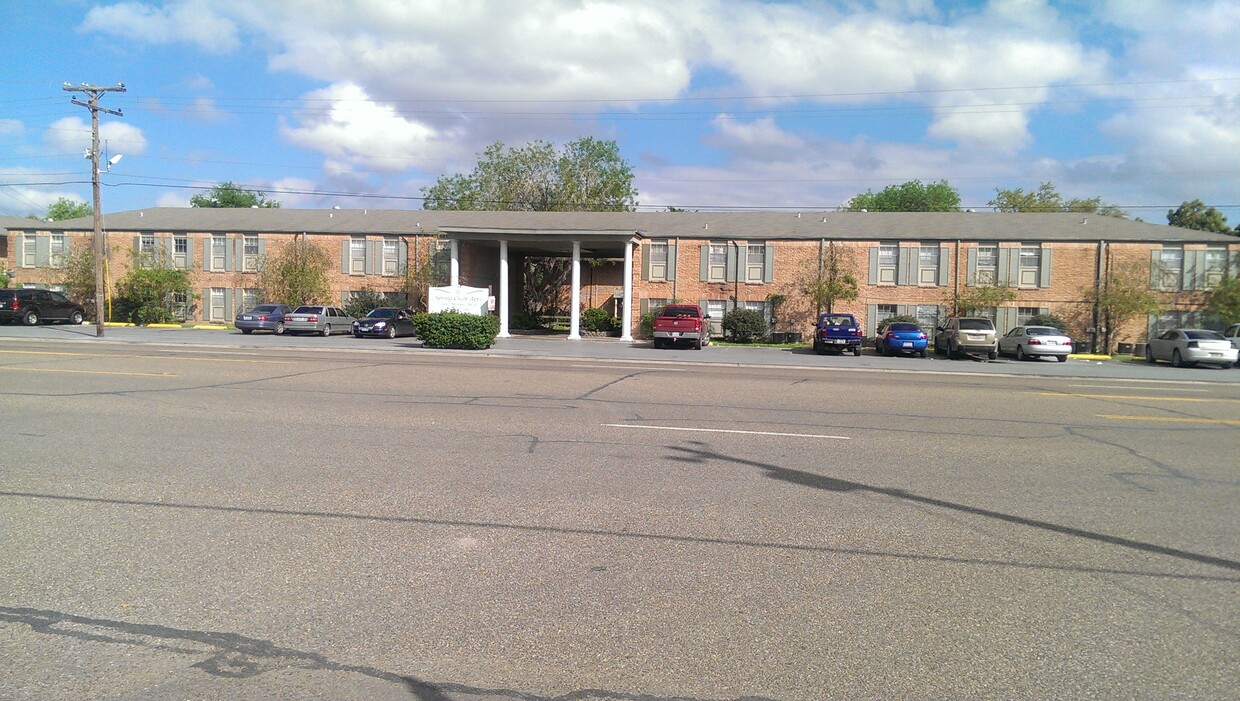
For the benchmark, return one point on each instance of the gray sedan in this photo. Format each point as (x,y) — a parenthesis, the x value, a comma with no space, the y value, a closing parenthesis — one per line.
(1033,342)
(264,317)
(318,319)
(1188,347)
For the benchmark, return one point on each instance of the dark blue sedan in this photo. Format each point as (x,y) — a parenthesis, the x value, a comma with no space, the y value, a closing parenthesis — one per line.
(901,337)
(264,317)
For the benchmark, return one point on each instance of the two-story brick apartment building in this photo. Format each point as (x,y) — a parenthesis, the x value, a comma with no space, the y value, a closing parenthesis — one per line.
(905,263)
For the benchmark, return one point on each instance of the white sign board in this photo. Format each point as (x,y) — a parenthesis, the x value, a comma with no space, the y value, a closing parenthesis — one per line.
(461,299)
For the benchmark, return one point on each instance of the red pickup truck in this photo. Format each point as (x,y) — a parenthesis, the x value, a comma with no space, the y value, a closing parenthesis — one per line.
(681,323)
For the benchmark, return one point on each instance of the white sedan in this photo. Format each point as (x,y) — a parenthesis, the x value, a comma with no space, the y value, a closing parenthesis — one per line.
(1188,347)
(1032,342)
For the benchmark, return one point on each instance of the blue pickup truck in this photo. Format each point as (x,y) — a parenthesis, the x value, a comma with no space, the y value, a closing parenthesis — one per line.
(837,333)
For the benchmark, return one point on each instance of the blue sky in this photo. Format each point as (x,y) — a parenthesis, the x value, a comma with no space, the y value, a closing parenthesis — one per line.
(715,103)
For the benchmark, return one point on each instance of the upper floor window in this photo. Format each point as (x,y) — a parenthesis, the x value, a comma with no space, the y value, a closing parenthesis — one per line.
(755,262)
(357,255)
(1215,267)
(59,252)
(219,252)
(1030,265)
(987,272)
(1168,269)
(717,269)
(180,251)
(658,260)
(928,265)
(30,244)
(391,258)
(249,258)
(441,262)
(888,262)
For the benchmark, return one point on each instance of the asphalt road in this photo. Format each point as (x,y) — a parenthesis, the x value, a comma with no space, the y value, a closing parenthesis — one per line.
(334,518)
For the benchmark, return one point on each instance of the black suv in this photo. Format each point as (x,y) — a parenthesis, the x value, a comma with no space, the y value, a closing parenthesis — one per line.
(32,306)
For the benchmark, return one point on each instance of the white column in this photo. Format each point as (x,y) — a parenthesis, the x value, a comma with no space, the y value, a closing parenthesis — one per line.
(574,311)
(626,321)
(502,292)
(455,279)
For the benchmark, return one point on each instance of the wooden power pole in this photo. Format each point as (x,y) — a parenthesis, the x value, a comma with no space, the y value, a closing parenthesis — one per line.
(94,92)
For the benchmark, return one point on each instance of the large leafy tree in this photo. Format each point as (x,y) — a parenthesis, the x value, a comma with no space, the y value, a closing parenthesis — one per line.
(1196,215)
(229,194)
(588,175)
(912,196)
(831,279)
(296,274)
(976,300)
(1120,299)
(1225,300)
(64,208)
(1047,199)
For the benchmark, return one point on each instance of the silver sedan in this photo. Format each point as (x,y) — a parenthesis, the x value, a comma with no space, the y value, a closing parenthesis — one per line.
(1032,342)
(318,319)
(1188,347)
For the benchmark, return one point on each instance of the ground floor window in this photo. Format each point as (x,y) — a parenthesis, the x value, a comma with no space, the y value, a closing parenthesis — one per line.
(216,306)
(928,316)
(1024,314)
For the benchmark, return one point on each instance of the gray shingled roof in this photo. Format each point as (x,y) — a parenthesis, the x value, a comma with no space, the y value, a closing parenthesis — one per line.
(868,226)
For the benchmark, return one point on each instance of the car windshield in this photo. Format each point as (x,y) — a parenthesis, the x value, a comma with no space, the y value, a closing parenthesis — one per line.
(381,313)
(307,310)
(1042,331)
(1203,335)
(900,326)
(976,325)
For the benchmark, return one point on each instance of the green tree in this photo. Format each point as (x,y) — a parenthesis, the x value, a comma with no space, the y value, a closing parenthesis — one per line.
(1225,300)
(1120,299)
(296,274)
(1196,215)
(912,196)
(1048,199)
(975,300)
(145,294)
(830,280)
(65,208)
(78,276)
(231,195)
(589,175)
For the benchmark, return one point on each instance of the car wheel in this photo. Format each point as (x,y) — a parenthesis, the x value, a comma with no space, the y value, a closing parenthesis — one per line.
(75,318)
(279,330)
(1149,355)
(1176,359)
(993,355)
(356,334)
(247,331)
(658,343)
(30,318)
(1020,353)
(391,332)
(697,344)
(856,350)
(1062,358)
(922,352)
(327,329)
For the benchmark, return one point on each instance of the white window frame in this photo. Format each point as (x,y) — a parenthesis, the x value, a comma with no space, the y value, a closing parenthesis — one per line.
(30,249)
(888,263)
(1029,268)
(658,260)
(391,256)
(249,257)
(927,316)
(357,255)
(1024,314)
(219,252)
(717,262)
(755,262)
(215,304)
(1170,278)
(987,270)
(180,252)
(928,260)
(58,252)
(1215,268)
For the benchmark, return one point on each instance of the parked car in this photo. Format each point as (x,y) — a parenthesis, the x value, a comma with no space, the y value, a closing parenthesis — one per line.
(386,322)
(1233,334)
(1033,342)
(1188,347)
(31,306)
(900,337)
(318,319)
(967,334)
(264,317)
(837,332)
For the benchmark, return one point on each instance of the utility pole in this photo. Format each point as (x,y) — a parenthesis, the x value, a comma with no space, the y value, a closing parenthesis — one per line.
(95,92)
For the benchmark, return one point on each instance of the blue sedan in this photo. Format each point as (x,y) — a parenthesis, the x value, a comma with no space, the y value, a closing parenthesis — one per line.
(264,317)
(901,337)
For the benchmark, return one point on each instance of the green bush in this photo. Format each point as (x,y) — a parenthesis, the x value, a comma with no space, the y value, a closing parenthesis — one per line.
(744,325)
(453,330)
(1047,320)
(596,319)
(525,320)
(647,324)
(364,301)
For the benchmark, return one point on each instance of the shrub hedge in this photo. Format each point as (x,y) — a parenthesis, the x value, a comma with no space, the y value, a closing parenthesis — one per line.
(453,330)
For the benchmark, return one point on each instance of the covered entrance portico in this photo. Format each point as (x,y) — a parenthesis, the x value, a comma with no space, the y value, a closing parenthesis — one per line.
(483,258)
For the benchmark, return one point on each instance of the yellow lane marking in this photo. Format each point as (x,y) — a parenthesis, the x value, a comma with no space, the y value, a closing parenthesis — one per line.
(147,357)
(1169,419)
(90,372)
(1134,396)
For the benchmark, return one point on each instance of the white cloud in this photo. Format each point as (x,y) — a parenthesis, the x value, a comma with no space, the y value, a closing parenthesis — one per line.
(195,22)
(11,127)
(344,123)
(73,134)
